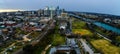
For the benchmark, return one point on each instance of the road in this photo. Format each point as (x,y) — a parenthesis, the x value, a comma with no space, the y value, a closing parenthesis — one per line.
(36,41)
(13,44)
(44,51)
(103,36)
(7,48)
(89,21)
(71,41)
(25,37)
(100,34)
(86,47)
(47,28)
(20,50)
(83,19)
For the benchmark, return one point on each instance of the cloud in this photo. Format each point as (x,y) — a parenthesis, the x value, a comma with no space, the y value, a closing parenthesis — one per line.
(104,6)
(9,10)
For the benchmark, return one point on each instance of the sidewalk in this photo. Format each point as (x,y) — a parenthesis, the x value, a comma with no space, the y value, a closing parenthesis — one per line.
(47,47)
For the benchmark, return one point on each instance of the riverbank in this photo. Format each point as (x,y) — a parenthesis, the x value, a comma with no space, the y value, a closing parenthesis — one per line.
(95,42)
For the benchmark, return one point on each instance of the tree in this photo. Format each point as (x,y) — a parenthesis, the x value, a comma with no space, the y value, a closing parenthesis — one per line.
(28,49)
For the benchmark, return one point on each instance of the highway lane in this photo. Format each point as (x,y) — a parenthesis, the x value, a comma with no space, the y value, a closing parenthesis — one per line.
(86,47)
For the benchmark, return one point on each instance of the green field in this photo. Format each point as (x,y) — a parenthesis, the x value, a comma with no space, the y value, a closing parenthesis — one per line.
(105,46)
(77,24)
(54,38)
(118,38)
(58,39)
(20,31)
(35,34)
(98,43)
(83,32)
(79,27)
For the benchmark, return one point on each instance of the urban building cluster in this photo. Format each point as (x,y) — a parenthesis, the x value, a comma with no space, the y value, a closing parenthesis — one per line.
(14,25)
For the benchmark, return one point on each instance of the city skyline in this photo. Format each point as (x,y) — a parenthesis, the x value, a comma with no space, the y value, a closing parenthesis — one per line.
(59,27)
(97,6)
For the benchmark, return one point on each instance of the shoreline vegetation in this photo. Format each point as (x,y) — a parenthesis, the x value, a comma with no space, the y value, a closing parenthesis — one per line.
(98,43)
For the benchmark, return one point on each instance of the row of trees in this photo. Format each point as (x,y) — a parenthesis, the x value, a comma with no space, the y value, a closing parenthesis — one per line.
(108,33)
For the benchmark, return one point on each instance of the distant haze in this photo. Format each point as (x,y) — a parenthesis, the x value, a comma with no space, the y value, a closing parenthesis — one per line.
(9,10)
(98,6)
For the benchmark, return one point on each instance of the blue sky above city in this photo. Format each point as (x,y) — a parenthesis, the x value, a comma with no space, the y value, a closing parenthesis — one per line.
(99,6)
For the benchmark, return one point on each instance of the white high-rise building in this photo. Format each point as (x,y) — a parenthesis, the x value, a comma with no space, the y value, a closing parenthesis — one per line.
(47,11)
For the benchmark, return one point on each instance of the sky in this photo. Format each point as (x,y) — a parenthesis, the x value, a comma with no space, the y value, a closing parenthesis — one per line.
(97,6)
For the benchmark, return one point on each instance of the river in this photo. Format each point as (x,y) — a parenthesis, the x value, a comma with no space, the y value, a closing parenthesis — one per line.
(107,27)
(100,24)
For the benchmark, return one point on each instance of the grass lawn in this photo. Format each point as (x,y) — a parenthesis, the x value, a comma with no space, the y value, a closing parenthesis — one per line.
(78,24)
(118,38)
(58,39)
(105,46)
(35,34)
(102,45)
(19,31)
(79,27)
(102,31)
(82,32)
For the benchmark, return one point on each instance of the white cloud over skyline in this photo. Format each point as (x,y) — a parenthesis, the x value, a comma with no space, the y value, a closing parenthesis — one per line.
(100,6)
